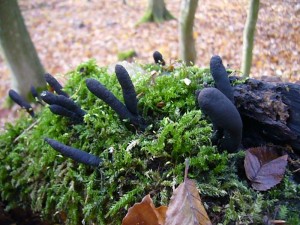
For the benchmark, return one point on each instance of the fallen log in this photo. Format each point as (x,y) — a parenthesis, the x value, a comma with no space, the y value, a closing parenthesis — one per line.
(270,112)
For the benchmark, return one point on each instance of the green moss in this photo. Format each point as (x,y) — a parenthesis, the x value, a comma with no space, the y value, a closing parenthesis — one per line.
(136,163)
(126,55)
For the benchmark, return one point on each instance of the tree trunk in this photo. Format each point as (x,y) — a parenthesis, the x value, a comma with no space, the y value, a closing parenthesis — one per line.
(18,49)
(156,12)
(187,49)
(270,113)
(248,38)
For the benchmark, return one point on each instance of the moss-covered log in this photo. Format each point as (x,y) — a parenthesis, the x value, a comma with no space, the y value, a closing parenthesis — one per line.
(134,163)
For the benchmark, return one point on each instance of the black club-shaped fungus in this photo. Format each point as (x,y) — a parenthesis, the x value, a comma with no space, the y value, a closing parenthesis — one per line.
(36,95)
(103,93)
(61,111)
(225,117)
(158,58)
(129,111)
(129,93)
(34,92)
(55,85)
(75,154)
(21,101)
(62,101)
(220,76)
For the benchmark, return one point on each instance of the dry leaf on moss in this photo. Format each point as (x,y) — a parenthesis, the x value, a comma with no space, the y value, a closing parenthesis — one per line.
(145,213)
(264,167)
(186,207)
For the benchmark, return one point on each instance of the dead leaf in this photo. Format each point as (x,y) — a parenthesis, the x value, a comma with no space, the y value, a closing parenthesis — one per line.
(264,167)
(186,207)
(160,105)
(187,81)
(145,213)
(275,222)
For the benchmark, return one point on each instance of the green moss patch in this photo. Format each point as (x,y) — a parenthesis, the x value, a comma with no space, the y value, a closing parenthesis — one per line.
(126,55)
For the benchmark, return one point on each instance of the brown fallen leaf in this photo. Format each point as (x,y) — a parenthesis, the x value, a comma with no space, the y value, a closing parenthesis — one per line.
(186,207)
(264,167)
(275,222)
(145,213)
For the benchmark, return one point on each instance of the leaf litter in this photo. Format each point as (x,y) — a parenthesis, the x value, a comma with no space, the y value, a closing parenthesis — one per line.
(66,33)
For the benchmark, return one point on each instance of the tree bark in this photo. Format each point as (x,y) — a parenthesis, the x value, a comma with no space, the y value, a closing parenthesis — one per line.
(18,49)
(187,49)
(248,38)
(270,113)
(156,12)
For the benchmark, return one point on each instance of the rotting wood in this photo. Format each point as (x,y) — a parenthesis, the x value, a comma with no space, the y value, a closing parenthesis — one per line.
(270,112)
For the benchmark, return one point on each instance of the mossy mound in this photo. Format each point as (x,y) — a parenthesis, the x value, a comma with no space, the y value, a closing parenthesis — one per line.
(126,55)
(136,163)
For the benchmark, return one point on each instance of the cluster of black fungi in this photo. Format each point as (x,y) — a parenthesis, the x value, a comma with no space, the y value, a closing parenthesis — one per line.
(216,102)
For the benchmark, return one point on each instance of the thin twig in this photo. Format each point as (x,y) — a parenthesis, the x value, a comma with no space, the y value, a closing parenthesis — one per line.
(187,164)
(27,129)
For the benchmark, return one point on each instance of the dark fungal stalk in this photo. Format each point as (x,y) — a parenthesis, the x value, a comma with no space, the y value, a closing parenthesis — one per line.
(21,101)
(158,58)
(34,92)
(103,93)
(53,83)
(220,76)
(48,97)
(61,111)
(63,106)
(75,154)
(129,93)
(225,117)
(36,95)
(62,101)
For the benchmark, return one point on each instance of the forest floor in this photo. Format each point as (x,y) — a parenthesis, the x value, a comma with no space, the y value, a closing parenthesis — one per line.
(66,33)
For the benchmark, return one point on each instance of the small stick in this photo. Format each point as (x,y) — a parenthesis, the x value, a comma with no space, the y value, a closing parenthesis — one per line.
(187,164)
(27,129)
